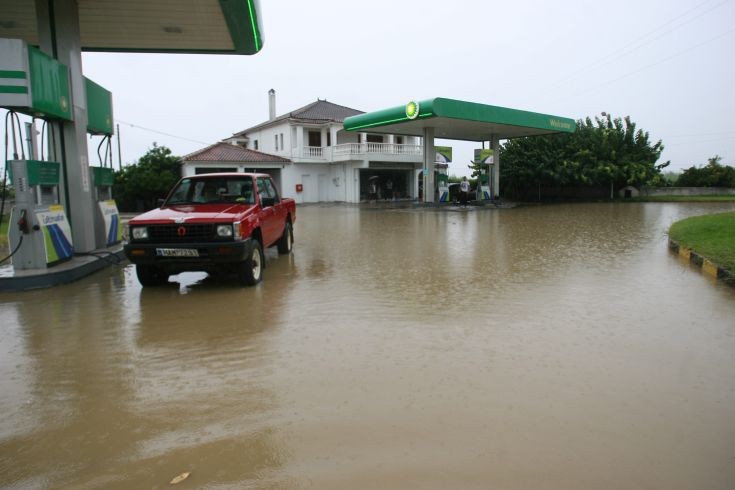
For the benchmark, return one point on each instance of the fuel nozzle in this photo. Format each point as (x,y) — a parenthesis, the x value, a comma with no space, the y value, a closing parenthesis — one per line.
(23,222)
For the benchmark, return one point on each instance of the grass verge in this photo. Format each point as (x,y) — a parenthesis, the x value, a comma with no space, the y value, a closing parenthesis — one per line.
(712,236)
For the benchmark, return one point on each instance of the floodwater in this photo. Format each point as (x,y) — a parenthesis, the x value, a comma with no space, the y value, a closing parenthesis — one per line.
(555,347)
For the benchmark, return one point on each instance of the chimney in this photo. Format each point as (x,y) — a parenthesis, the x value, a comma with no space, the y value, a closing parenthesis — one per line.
(271,104)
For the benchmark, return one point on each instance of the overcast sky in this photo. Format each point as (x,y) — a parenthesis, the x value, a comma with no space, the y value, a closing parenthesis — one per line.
(669,65)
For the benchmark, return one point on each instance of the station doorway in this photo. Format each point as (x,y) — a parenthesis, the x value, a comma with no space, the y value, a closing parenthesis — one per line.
(384,184)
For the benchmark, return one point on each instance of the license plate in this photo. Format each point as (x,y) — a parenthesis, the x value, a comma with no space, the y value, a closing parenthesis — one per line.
(177,252)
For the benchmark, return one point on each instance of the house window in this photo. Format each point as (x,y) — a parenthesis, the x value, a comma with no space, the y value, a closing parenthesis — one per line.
(329,138)
(399,140)
(276,136)
(315,138)
(255,144)
(281,141)
(375,138)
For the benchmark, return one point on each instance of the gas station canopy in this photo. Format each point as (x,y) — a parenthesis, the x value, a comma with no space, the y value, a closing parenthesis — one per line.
(458,120)
(161,26)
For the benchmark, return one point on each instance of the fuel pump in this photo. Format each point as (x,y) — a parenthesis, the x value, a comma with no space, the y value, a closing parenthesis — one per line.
(37,219)
(37,85)
(485,185)
(485,159)
(107,217)
(442,181)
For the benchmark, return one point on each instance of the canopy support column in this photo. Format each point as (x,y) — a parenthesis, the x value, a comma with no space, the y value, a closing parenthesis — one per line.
(58,28)
(429,159)
(495,146)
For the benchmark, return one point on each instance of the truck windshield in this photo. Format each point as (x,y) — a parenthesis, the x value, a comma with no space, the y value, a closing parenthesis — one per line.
(213,190)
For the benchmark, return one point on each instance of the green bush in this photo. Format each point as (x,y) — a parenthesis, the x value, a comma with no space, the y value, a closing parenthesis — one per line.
(714,174)
(139,186)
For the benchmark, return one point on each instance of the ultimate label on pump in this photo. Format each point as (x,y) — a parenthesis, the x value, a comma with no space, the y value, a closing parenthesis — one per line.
(111,218)
(56,233)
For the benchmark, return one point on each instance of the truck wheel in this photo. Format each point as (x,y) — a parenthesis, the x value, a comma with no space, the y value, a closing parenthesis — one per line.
(149,275)
(251,270)
(285,243)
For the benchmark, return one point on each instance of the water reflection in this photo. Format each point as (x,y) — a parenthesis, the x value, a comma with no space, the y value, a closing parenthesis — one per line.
(556,346)
(121,400)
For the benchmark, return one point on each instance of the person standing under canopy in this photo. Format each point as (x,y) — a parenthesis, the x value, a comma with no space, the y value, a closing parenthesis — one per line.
(464,190)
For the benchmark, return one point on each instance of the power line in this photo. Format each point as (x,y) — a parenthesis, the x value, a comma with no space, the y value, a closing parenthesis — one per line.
(699,142)
(699,135)
(637,43)
(162,132)
(664,60)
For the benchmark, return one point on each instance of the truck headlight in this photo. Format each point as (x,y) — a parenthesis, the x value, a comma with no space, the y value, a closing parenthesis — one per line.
(139,232)
(224,230)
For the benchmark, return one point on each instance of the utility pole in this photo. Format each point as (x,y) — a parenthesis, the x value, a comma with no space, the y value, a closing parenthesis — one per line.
(119,153)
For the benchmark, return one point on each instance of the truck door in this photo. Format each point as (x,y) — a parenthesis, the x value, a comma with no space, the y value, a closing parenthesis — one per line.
(279,211)
(268,205)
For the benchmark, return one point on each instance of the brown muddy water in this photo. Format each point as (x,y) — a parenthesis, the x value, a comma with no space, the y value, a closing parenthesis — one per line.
(556,347)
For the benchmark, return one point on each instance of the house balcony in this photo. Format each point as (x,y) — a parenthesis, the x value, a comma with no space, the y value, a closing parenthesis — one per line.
(387,152)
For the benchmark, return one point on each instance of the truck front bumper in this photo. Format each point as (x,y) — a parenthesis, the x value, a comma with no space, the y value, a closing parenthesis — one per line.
(188,256)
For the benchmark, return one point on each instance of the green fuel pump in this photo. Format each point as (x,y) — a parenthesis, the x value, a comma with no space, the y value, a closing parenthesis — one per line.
(37,221)
(107,217)
(485,158)
(35,84)
(442,182)
(485,185)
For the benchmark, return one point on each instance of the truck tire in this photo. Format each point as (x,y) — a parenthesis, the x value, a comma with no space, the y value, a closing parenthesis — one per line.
(285,243)
(150,275)
(251,269)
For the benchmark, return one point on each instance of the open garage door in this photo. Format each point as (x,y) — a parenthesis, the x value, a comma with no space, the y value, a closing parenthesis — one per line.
(384,184)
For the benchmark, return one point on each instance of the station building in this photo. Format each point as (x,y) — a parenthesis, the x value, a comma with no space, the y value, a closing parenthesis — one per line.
(313,159)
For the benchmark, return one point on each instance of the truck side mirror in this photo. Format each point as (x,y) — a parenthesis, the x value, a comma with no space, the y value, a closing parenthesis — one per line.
(267,201)
(160,202)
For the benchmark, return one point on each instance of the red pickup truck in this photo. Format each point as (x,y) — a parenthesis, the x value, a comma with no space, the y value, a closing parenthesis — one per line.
(217,222)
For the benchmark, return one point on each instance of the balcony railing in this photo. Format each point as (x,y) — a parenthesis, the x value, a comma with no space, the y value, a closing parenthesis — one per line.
(348,149)
(382,148)
(312,152)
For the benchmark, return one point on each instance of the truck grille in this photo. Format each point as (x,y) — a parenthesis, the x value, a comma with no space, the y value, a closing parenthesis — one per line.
(170,233)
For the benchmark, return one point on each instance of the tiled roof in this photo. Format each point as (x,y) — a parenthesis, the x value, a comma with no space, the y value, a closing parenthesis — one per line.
(317,112)
(225,152)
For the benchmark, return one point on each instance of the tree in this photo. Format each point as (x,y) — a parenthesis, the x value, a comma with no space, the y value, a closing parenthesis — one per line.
(714,174)
(604,152)
(139,186)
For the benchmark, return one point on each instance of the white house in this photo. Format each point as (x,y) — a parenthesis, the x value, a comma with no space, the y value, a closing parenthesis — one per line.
(313,159)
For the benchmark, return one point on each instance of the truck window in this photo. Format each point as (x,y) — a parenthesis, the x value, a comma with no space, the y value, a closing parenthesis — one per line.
(271,189)
(245,191)
(266,189)
(181,193)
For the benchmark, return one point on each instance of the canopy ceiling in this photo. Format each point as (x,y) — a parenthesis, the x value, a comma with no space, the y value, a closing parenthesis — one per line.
(169,26)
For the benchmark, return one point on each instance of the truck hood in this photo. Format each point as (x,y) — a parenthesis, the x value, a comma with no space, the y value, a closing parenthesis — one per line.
(192,213)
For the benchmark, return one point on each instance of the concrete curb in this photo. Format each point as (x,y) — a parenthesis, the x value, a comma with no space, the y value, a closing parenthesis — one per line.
(73,270)
(707,266)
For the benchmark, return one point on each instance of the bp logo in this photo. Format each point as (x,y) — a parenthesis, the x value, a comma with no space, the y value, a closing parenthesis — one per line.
(412,109)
